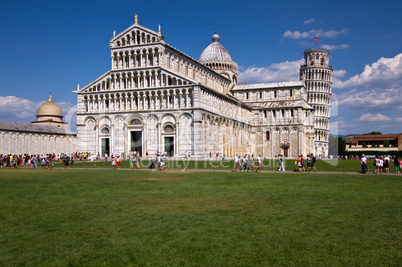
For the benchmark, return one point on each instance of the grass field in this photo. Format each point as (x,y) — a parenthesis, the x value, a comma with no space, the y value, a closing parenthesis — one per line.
(321,165)
(114,218)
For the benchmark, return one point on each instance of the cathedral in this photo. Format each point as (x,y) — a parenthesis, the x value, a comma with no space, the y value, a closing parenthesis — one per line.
(157,99)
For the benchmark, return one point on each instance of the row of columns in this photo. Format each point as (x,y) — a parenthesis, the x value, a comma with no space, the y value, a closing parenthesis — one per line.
(136,59)
(318,74)
(132,80)
(135,38)
(318,87)
(140,101)
(322,124)
(323,111)
(321,135)
(318,99)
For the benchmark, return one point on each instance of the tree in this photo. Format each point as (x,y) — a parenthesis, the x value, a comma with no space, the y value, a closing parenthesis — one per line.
(336,145)
(386,143)
(372,133)
(364,144)
(341,145)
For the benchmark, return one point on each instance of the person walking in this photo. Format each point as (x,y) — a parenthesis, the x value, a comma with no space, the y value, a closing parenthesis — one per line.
(363,162)
(236,163)
(259,163)
(281,164)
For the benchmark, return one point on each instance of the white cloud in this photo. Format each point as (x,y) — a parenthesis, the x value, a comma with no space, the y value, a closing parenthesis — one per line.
(285,71)
(374,117)
(368,100)
(335,47)
(339,73)
(16,108)
(13,108)
(312,33)
(385,73)
(309,21)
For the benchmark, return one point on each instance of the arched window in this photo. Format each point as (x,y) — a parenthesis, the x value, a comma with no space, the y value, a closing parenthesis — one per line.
(135,122)
(169,129)
(105,130)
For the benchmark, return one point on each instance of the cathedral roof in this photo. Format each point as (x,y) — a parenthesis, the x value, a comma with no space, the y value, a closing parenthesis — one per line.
(32,128)
(49,109)
(268,85)
(215,52)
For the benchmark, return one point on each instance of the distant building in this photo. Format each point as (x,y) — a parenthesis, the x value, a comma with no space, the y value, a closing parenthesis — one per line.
(374,142)
(48,134)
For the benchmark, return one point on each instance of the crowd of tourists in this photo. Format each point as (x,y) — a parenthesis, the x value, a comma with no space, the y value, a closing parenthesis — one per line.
(247,163)
(381,164)
(34,161)
(45,161)
(300,162)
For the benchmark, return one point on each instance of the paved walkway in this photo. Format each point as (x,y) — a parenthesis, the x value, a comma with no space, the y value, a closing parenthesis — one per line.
(220,170)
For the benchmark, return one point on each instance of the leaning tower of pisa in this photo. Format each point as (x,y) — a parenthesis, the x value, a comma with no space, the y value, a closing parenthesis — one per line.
(317,76)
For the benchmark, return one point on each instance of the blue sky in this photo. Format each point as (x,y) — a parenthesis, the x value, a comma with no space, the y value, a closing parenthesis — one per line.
(51,46)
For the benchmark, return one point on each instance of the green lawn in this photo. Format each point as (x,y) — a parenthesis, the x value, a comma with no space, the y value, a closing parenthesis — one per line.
(321,165)
(114,218)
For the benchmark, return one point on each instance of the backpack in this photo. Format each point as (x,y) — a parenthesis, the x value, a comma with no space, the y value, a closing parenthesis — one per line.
(314,159)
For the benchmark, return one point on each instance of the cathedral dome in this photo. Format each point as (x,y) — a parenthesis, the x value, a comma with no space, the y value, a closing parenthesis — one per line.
(215,52)
(49,110)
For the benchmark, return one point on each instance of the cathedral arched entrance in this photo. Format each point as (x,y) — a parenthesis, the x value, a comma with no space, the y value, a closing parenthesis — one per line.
(105,146)
(285,148)
(169,146)
(169,132)
(135,130)
(136,141)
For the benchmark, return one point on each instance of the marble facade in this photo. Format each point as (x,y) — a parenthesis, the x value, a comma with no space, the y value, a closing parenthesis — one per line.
(155,99)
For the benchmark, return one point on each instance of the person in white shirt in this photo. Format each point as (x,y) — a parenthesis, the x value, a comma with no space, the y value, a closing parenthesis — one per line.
(381,164)
(259,163)
(282,164)
(363,162)
(236,162)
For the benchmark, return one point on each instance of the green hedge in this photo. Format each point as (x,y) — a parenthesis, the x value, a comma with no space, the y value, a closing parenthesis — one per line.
(374,153)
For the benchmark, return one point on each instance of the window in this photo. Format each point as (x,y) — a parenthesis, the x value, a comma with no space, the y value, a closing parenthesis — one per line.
(265,114)
(291,92)
(283,113)
(135,122)
(291,113)
(247,95)
(267,135)
(169,129)
(260,94)
(275,93)
(105,130)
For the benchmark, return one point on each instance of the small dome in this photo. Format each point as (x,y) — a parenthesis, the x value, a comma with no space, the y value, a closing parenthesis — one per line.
(49,109)
(215,52)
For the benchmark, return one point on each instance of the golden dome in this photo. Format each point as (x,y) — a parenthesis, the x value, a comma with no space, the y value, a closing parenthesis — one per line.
(49,110)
